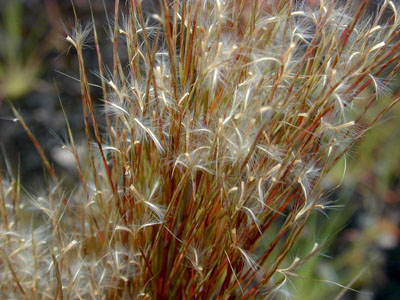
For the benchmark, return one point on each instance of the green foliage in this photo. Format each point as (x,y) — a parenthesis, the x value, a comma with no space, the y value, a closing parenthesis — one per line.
(20,62)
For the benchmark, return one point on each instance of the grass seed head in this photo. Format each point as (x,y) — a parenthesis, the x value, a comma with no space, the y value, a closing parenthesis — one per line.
(222,121)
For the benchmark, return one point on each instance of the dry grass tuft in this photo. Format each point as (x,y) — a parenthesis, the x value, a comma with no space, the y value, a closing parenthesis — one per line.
(222,124)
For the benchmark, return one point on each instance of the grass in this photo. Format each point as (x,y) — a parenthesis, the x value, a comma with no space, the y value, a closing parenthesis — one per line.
(221,124)
(20,60)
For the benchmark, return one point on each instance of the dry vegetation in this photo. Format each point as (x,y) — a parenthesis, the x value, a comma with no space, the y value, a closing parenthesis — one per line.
(221,124)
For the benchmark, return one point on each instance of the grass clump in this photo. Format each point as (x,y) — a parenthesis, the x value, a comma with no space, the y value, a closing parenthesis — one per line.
(222,119)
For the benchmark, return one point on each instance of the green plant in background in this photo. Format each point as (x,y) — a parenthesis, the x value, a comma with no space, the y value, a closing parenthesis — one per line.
(369,185)
(20,62)
(327,275)
(222,122)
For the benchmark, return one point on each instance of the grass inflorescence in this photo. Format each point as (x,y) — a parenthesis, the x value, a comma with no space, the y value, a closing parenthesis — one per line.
(221,121)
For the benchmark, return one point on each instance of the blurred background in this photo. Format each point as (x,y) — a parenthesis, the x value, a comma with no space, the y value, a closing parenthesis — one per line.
(360,231)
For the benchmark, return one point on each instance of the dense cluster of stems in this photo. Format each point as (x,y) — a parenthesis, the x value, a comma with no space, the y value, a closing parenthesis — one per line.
(221,121)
